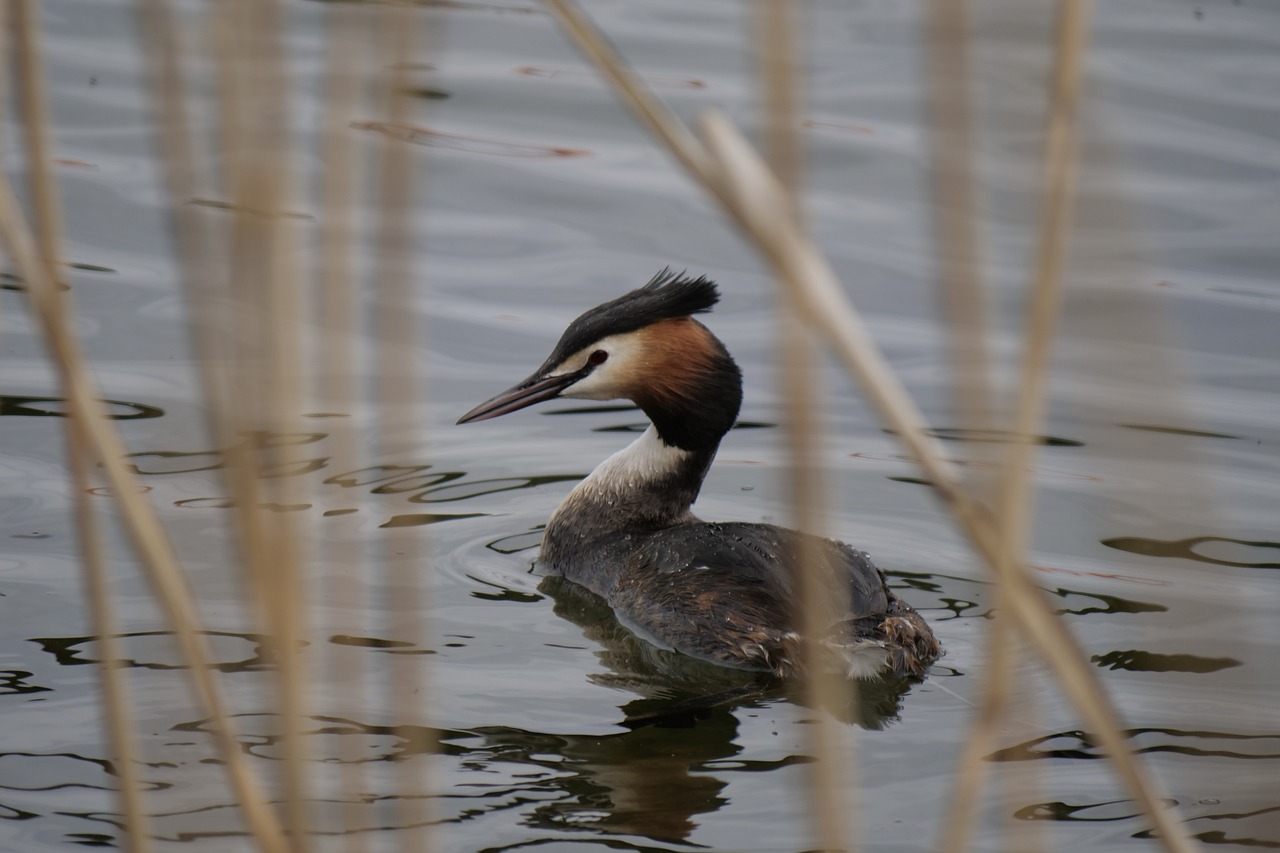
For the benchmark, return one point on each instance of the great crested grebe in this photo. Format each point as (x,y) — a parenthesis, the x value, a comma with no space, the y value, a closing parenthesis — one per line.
(719,591)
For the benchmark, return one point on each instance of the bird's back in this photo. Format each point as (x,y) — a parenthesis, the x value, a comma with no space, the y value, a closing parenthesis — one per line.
(727,593)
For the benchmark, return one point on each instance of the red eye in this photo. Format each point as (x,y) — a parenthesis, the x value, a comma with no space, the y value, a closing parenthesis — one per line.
(598,357)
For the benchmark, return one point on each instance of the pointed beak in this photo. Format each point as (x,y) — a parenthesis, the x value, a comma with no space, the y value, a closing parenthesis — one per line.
(532,390)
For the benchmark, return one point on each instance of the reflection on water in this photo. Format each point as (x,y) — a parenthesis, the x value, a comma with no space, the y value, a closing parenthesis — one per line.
(937,588)
(1079,745)
(1104,811)
(492,486)
(1253,829)
(1257,829)
(1105,603)
(30,771)
(218,204)
(1186,549)
(995,436)
(55,407)
(652,781)
(419,135)
(973,464)
(590,77)
(15,283)
(942,589)
(517,542)
(676,686)
(15,681)
(420,484)
(418,519)
(393,647)
(1136,660)
(157,650)
(1172,430)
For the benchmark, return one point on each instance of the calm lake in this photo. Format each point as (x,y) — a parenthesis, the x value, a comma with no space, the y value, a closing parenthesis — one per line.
(1157,531)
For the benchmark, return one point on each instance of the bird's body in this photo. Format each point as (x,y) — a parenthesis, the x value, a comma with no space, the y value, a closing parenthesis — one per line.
(723,592)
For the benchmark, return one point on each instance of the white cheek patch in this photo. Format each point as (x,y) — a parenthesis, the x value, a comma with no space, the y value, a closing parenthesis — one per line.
(572,364)
(594,387)
(610,380)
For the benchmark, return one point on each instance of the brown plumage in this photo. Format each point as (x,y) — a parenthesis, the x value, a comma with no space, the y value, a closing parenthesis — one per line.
(676,358)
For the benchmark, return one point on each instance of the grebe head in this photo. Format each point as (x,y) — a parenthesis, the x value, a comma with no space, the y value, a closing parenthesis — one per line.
(646,347)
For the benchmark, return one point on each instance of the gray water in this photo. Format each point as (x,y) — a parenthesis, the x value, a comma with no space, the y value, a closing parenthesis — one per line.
(1156,532)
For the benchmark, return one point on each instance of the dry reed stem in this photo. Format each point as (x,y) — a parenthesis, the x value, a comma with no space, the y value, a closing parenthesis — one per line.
(136,825)
(782,85)
(1015,495)
(262,366)
(193,240)
(1015,492)
(141,524)
(972,770)
(115,691)
(265,258)
(399,388)
(956,219)
(828,740)
(334,352)
(5,46)
(35,110)
(143,528)
(648,109)
(962,290)
(752,197)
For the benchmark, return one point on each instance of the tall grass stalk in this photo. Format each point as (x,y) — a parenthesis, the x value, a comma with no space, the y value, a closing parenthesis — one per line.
(264,403)
(399,388)
(777,41)
(141,524)
(962,294)
(1013,505)
(48,218)
(333,349)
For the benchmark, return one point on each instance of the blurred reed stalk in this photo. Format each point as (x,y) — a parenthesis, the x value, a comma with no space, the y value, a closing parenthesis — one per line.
(962,294)
(399,388)
(333,349)
(251,383)
(1013,502)
(251,308)
(145,532)
(777,37)
(48,219)
(247,305)
(246,308)
(263,286)
(753,198)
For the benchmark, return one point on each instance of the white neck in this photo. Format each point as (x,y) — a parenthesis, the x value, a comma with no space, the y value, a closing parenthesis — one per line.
(645,460)
(647,485)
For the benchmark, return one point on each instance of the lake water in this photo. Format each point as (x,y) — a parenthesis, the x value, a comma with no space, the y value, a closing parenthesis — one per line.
(1158,505)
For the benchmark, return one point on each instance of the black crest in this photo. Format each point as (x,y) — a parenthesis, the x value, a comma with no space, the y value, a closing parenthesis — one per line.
(668,294)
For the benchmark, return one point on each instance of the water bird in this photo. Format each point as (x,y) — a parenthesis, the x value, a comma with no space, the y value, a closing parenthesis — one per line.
(724,592)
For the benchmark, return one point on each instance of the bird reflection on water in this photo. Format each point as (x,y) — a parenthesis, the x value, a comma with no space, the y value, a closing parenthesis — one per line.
(675,689)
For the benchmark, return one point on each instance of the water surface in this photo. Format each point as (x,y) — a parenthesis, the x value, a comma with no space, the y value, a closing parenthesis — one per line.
(544,727)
